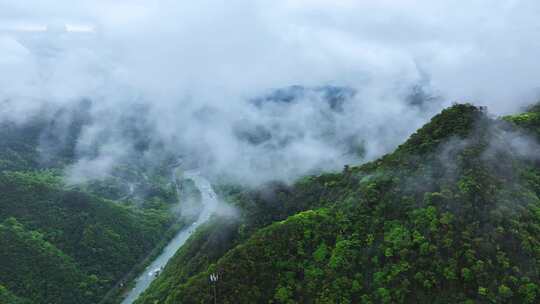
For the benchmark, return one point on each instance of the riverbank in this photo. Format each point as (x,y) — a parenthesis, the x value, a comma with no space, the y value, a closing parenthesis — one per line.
(119,291)
(209,204)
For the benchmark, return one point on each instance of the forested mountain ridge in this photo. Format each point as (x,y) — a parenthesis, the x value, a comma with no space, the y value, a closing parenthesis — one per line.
(452,216)
(62,243)
(279,152)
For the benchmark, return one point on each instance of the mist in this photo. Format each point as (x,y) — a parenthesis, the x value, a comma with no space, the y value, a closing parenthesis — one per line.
(260,90)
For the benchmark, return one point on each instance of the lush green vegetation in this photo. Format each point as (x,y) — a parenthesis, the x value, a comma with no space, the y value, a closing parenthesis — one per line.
(66,244)
(94,240)
(529,120)
(18,147)
(27,256)
(209,243)
(7,297)
(452,216)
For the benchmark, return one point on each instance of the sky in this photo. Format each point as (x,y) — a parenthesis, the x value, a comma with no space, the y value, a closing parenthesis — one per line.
(196,65)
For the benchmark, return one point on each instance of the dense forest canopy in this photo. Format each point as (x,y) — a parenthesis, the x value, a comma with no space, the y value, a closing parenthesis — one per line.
(165,152)
(82,242)
(451,216)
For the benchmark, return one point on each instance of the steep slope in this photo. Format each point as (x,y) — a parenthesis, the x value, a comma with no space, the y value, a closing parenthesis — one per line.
(23,252)
(258,208)
(81,244)
(71,244)
(452,216)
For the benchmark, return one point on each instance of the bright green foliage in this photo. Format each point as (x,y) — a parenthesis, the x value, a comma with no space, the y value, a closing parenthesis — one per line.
(452,216)
(529,120)
(321,253)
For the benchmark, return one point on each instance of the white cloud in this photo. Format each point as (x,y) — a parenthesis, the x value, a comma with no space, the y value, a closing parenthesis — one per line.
(186,58)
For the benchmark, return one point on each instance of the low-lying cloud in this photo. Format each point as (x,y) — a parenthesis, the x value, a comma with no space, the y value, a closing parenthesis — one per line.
(195,73)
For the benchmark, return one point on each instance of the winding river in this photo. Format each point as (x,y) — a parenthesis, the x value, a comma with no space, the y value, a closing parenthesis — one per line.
(209,202)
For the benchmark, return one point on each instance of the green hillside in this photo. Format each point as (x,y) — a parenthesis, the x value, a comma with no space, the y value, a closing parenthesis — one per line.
(92,240)
(452,216)
(66,244)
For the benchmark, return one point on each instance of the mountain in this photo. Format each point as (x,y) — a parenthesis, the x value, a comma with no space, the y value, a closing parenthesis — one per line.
(61,243)
(333,96)
(451,216)
(71,236)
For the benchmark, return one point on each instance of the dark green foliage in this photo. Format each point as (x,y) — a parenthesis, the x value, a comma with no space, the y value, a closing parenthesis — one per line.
(7,297)
(458,120)
(73,244)
(453,216)
(81,244)
(24,253)
(46,140)
(18,147)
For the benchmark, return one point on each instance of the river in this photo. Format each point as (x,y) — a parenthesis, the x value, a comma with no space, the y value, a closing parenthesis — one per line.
(209,202)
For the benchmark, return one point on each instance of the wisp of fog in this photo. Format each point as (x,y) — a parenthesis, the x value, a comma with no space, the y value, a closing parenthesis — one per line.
(260,90)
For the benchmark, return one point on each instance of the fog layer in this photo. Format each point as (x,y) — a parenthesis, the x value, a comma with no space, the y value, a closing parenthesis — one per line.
(206,79)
